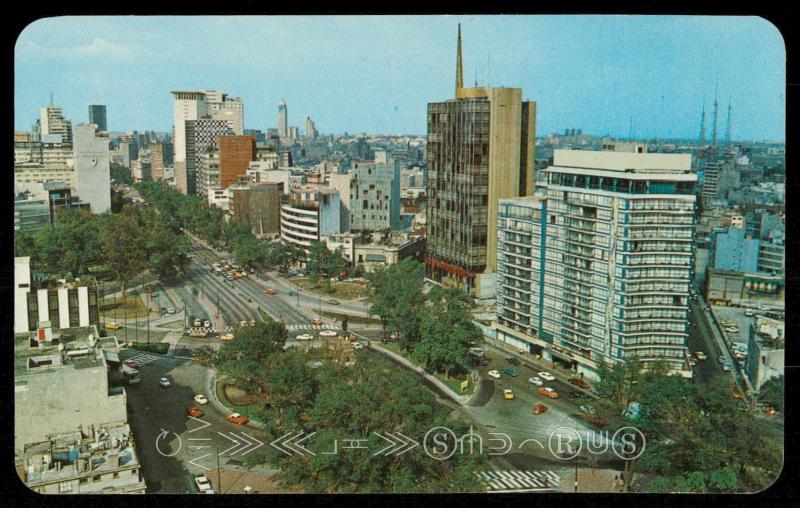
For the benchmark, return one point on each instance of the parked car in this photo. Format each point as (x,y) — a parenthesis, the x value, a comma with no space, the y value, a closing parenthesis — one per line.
(114,326)
(536,381)
(580,383)
(546,376)
(315,322)
(358,345)
(171,310)
(494,374)
(328,333)
(513,361)
(548,392)
(237,419)
(164,382)
(508,371)
(226,336)
(132,364)
(540,408)
(200,399)
(305,336)
(508,394)
(203,485)
(198,323)
(333,302)
(207,323)
(700,355)
(270,292)
(195,412)
(587,409)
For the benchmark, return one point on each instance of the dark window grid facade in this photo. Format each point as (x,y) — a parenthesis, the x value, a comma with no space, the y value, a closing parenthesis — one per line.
(458,172)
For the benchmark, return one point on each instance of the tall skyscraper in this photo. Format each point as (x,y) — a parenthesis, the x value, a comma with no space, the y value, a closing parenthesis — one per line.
(230,109)
(481,148)
(596,265)
(92,167)
(283,119)
(311,130)
(52,122)
(97,116)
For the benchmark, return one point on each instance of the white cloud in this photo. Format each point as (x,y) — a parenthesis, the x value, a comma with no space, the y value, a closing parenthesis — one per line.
(98,49)
(102,48)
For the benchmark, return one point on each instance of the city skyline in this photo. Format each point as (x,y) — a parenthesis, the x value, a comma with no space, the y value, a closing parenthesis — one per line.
(646,81)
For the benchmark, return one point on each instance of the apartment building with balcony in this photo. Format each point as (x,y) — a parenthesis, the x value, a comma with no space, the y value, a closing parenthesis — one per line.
(596,265)
(309,214)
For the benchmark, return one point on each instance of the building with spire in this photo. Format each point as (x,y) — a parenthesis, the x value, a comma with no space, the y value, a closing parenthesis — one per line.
(703,124)
(714,129)
(481,147)
(728,124)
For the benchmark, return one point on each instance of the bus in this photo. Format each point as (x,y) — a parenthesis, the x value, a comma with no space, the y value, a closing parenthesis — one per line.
(131,375)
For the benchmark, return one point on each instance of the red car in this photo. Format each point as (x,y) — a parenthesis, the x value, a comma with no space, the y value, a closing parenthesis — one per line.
(237,419)
(265,277)
(580,383)
(539,409)
(132,364)
(195,412)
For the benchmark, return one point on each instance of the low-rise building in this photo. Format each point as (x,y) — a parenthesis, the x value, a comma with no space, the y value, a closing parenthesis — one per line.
(728,287)
(379,248)
(765,351)
(309,214)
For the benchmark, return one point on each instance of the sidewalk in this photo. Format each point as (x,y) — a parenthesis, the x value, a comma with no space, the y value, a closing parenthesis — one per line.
(592,481)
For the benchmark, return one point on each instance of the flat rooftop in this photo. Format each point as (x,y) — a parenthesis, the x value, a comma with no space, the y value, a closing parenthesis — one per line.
(30,359)
(624,161)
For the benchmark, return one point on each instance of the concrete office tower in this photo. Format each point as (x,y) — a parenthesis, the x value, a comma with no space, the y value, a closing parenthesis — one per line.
(481,148)
(187,106)
(375,196)
(235,155)
(230,109)
(92,167)
(294,133)
(283,119)
(157,161)
(311,130)
(201,135)
(97,116)
(596,265)
(52,121)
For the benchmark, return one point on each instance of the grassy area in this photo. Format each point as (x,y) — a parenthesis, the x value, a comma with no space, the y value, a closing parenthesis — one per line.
(116,308)
(248,410)
(358,320)
(340,290)
(453,383)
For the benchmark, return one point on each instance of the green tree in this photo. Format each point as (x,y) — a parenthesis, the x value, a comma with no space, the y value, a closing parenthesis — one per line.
(724,480)
(123,242)
(121,174)
(71,245)
(691,482)
(245,357)
(247,250)
(447,330)
(396,297)
(324,263)
(118,200)
(772,392)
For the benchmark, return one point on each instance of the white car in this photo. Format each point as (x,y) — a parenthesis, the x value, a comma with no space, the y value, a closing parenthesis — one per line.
(305,336)
(494,374)
(358,345)
(328,333)
(203,485)
(171,310)
(200,399)
(164,382)
(536,381)
(546,376)
(207,324)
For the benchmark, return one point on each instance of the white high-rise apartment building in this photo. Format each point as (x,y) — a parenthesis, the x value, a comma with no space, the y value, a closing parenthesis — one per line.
(52,121)
(92,167)
(596,265)
(197,105)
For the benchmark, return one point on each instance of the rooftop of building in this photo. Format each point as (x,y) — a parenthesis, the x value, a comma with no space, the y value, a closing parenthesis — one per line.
(83,452)
(627,162)
(73,348)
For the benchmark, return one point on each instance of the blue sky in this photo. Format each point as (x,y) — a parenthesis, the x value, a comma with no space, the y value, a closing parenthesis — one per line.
(377,73)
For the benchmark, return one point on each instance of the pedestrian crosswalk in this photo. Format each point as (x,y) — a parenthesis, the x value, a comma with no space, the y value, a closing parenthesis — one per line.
(325,326)
(144,358)
(519,481)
